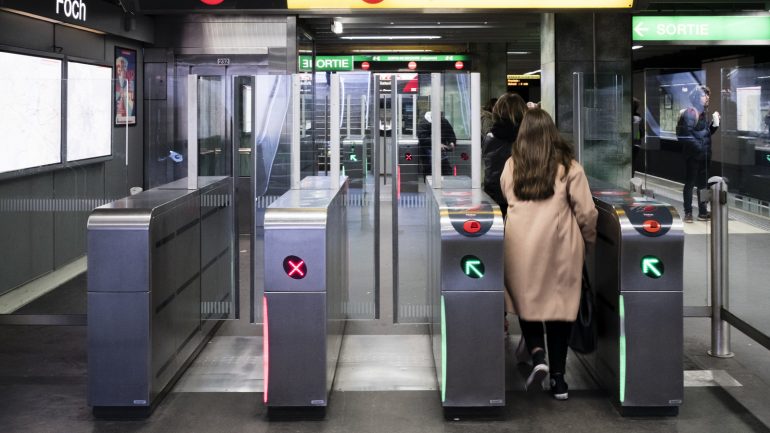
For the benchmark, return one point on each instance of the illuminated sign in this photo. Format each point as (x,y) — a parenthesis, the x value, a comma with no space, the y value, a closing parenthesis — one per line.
(521,80)
(701,28)
(408,156)
(326,63)
(459,4)
(295,267)
(652,267)
(75,9)
(472,266)
(345,63)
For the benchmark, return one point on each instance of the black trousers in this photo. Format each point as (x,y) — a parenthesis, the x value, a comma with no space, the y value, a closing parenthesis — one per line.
(558,338)
(695,175)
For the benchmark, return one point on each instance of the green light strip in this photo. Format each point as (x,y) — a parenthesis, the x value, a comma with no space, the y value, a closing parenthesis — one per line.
(443,351)
(622,351)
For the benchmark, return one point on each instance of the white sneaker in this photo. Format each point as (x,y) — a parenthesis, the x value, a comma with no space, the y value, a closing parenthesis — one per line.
(539,372)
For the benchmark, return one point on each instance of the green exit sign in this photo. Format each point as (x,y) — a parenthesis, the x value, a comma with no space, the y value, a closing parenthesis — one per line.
(652,266)
(754,29)
(326,63)
(472,266)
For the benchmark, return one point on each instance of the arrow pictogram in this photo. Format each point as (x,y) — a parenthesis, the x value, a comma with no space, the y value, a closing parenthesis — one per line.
(641,29)
(650,267)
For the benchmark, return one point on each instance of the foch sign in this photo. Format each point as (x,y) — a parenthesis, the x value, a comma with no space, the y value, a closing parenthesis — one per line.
(74,9)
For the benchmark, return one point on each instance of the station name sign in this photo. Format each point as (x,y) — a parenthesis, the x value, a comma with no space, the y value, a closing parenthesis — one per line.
(702,28)
(73,9)
(459,4)
(345,63)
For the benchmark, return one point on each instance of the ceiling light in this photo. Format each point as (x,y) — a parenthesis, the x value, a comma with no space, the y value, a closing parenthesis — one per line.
(336,27)
(390,37)
(636,47)
(519,52)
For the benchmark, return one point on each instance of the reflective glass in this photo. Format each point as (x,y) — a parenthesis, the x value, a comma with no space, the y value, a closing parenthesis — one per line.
(660,163)
(744,158)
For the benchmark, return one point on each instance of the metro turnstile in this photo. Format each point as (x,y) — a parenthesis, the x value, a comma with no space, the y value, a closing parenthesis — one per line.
(306,256)
(466,288)
(148,280)
(638,284)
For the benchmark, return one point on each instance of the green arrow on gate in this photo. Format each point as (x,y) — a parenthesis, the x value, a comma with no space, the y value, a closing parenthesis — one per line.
(767,157)
(353,158)
(652,267)
(472,266)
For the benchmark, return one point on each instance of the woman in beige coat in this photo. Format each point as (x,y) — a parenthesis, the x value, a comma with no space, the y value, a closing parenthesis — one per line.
(551,218)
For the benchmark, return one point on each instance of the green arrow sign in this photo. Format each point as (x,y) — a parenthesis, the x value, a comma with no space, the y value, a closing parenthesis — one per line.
(353,158)
(701,28)
(652,267)
(767,157)
(472,266)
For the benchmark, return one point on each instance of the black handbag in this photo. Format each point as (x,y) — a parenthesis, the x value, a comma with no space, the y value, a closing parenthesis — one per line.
(583,337)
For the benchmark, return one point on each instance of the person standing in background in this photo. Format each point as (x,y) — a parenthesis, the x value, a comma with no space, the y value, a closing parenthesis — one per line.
(551,222)
(496,146)
(694,131)
(487,117)
(448,142)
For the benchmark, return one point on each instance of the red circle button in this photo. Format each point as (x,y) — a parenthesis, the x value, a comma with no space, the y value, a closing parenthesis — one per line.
(651,226)
(472,226)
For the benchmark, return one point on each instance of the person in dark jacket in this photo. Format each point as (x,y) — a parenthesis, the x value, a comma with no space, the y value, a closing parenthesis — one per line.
(496,148)
(694,130)
(448,141)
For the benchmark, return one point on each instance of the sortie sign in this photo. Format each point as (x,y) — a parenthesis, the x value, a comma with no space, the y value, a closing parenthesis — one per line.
(701,28)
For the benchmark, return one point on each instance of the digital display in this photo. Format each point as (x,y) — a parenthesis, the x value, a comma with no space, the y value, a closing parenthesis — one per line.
(89,115)
(30,111)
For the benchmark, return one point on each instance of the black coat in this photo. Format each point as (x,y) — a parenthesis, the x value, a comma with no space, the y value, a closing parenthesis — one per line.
(495,151)
(694,131)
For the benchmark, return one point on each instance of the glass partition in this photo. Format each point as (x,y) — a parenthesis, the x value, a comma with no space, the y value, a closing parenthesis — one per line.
(602,127)
(744,159)
(661,165)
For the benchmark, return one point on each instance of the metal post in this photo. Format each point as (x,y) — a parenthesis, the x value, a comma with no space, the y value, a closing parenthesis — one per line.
(334,131)
(414,117)
(348,116)
(435,134)
(475,130)
(192,132)
(720,330)
(363,116)
(296,127)
(578,113)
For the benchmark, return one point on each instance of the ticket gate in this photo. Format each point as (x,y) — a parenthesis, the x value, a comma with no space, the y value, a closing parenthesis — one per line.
(639,297)
(305,259)
(466,288)
(156,262)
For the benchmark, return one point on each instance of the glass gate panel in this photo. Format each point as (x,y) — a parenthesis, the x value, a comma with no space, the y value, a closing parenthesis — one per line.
(744,159)
(271,163)
(412,128)
(356,157)
(218,281)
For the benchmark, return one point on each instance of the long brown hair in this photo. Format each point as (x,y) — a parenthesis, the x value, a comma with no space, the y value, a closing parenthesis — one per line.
(510,106)
(537,153)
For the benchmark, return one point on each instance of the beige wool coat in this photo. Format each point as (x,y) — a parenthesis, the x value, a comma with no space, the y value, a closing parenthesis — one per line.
(544,246)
